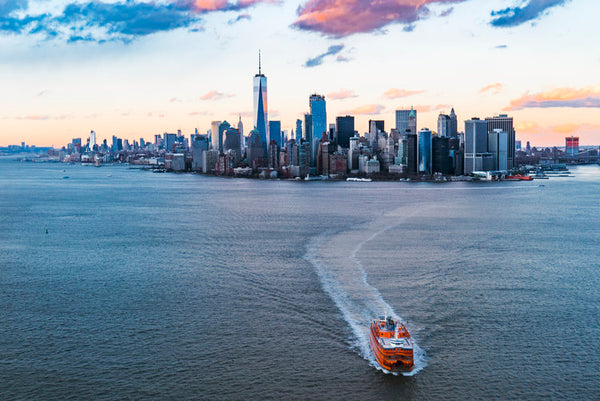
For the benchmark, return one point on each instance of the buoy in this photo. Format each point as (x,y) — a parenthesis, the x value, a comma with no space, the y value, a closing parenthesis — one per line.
(46,231)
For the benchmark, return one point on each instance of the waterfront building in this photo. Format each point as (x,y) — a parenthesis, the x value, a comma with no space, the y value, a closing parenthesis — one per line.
(199,145)
(412,154)
(476,136)
(291,149)
(273,155)
(498,146)
(572,146)
(425,151)
(304,156)
(255,149)
(232,143)
(345,130)
(505,123)
(170,140)
(275,132)
(210,158)
(261,116)
(441,161)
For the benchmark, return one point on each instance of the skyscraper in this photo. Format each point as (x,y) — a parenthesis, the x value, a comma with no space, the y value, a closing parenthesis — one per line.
(215,141)
(477,157)
(92,141)
(345,130)
(453,124)
(275,132)
(298,130)
(425,151)
(505,123)
(406,120)
(444,125)
(261,119)
(319,116)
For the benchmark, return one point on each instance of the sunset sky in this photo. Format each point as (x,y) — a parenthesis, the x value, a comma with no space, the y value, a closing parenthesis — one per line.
(136,68)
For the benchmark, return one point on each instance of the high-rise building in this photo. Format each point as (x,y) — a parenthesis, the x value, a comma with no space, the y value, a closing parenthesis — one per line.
(223,127)
(444,125)
(572,146)
(453,124)
(477,157)
(255,152)
(319,116)
(240,128)
(92,141)
(441,162)
(199,145)
(425,151)
(232,143)
(215,141)
(406,120)
(345,130)
(379,124)
(497,146)
(261,117)
(298,130)
(308,127)
(275,132)
(411,153)
(505,123)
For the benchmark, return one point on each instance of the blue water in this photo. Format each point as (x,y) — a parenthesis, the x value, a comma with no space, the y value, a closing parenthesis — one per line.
(180,286)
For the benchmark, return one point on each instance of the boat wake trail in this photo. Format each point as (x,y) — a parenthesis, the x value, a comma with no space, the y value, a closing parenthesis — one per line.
(345,280)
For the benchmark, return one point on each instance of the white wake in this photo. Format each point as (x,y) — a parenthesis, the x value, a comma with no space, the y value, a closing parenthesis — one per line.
(345,280)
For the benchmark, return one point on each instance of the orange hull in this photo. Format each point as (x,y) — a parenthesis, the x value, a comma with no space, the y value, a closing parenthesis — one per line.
(392,345)
(519,177)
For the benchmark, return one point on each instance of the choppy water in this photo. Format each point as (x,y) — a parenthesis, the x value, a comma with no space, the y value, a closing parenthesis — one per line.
(165,286)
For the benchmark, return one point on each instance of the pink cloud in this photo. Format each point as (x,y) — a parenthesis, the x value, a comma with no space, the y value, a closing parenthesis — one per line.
(424,108)
(369,109)
(215,95)
(559,97)
(493,88)
(394,93)
(339,18)
(341,94)
(224,5)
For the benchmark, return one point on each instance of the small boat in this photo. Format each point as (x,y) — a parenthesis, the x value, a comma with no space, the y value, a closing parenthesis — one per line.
(392,345)
(518,177)
(352,179)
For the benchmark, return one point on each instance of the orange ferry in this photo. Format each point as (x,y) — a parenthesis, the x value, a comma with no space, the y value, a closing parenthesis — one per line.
(392,345)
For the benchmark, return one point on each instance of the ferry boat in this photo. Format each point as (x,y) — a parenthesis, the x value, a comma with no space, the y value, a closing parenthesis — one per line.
(518,177)
(392,345)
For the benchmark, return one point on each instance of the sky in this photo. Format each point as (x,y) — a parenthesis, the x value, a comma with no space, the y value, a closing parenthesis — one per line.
(136,68)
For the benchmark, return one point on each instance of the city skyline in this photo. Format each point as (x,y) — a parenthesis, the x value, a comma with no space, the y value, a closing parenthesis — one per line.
(532,61)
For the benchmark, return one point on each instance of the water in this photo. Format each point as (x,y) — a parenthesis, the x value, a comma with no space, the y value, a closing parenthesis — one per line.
(166,286)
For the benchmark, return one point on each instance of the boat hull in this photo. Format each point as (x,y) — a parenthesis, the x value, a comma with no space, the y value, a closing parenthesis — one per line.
(393,360)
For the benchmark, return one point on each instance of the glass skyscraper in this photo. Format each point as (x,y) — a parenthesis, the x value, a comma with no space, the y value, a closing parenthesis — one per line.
(425,151)
(275,132)
(261,119)
(319,116)
(406,120)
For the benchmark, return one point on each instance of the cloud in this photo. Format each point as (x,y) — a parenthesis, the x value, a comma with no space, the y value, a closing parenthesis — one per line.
(575,128)
(492,88)
(199,113)
(528,127)
(103,21)
(447,12)
(369,109)
(338,18)
(318,60)
(501,46)
(394,93)
(560,97)
(424,108)
(215,95)
(341,94)
(532,10)
(239,18)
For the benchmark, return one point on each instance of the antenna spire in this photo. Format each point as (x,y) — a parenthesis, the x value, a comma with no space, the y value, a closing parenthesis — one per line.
(259,63)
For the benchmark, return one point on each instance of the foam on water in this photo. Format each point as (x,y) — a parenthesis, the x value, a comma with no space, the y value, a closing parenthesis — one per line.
(344,279)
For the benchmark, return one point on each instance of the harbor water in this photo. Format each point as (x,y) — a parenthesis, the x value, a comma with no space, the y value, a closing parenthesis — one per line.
(118,283)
